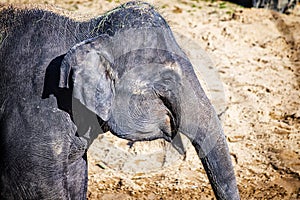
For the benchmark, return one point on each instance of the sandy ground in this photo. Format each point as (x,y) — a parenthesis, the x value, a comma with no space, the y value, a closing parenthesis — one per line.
(256,54)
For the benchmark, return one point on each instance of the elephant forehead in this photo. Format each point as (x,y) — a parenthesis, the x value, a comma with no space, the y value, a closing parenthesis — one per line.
(147,58)
(158,38)
(141,79)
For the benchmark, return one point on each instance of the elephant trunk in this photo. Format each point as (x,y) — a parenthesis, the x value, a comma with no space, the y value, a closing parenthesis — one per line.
(218,167)
(200,123)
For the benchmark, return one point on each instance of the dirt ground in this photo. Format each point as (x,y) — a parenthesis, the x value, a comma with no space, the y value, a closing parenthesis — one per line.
(256,54)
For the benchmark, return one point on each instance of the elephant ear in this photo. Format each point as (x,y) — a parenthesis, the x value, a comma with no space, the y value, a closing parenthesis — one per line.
(87,68)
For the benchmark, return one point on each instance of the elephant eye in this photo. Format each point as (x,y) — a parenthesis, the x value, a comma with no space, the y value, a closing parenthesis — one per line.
(159,87)
(168,81)
(170,75)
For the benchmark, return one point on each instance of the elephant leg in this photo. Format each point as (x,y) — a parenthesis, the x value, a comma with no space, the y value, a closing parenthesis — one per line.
(41,158)
(77,179)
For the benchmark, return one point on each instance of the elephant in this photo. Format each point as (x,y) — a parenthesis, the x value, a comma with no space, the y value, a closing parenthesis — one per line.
(63,82)
(283,6)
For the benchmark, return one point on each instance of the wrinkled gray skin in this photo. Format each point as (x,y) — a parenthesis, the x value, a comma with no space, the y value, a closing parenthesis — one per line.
(125,72)
(283,6)
(278,5)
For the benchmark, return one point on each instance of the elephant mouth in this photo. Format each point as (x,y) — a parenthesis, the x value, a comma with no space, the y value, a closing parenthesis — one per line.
(141,136)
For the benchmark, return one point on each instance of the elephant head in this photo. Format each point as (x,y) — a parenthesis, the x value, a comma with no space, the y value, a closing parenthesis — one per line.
(143,87)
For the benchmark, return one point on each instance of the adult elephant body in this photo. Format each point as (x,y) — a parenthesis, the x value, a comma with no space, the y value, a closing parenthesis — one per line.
(37,138)
(126,68)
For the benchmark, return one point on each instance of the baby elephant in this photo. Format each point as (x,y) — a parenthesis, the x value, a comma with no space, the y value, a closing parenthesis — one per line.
(63,82)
